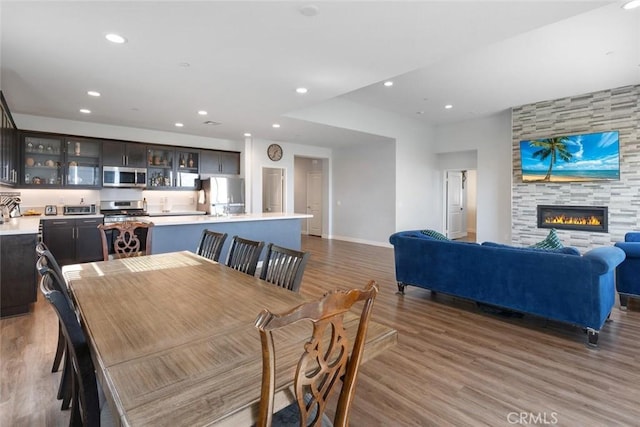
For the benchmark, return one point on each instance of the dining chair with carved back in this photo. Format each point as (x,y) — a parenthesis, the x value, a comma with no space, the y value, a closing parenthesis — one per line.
(211,243)
(284,267)
(127,238)
(244,255)
(322,365)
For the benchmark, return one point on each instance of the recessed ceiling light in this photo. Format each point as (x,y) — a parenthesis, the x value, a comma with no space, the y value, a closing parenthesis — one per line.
(419,112)
(179,125)
(309,10)
(448,106)
(115,38)
(631,4)
(388,83)
(247,134)
(275,125)
(85,111)
(302,90)
(93,93)
(202,113)
(184,65)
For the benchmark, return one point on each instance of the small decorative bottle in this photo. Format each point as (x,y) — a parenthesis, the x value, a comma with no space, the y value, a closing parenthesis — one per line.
(144,204)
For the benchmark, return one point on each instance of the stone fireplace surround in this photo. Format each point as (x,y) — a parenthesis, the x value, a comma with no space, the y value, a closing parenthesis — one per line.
(613,109)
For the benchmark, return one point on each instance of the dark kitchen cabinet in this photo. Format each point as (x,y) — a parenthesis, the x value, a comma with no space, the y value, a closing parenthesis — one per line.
(73,241)
(8,146)
(43,156)
(18,280)
(213,162)
(118,153)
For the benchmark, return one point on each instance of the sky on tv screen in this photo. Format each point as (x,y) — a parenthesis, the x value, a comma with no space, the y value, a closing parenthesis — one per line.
(594,154)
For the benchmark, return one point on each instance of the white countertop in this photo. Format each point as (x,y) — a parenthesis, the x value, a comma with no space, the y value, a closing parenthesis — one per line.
(30,224)
(20,225)
(201,219)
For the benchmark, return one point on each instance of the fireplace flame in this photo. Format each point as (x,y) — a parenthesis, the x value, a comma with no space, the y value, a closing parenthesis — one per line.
(571,220)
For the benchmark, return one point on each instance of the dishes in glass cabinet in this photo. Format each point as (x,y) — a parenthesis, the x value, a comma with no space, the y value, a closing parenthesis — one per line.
(29,161)
(49,163)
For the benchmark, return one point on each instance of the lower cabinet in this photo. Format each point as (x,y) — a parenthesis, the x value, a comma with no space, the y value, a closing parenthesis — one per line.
(18,279)
(72,241)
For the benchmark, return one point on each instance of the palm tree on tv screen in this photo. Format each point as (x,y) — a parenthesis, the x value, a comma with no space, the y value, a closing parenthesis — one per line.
(554,148)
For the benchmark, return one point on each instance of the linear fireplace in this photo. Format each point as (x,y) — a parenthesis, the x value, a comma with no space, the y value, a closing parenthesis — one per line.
(581,218)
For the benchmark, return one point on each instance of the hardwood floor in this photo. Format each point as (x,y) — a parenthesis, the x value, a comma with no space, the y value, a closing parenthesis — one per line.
(454,365)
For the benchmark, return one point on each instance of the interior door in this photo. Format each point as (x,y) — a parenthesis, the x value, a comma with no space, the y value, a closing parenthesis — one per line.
(455,206)
(314,203)
(272,190)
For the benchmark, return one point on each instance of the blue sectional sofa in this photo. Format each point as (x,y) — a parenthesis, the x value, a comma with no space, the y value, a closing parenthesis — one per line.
(628,272)
(561,285)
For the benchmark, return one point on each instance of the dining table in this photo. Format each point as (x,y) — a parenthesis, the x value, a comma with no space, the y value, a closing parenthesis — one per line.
(173,340)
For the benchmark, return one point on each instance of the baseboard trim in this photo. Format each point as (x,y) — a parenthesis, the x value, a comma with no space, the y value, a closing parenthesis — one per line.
(362,241)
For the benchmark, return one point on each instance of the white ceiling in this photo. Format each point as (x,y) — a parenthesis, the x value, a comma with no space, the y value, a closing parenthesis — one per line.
(246,59)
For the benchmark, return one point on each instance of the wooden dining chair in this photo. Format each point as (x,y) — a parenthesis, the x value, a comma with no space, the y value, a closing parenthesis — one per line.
(244,255)
(85,401)
(211,244)
(322,365)
(47,266)
(284,267)
(46,259)
(125,238)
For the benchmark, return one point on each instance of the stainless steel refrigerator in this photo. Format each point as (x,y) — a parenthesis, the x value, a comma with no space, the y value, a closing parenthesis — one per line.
(222,196)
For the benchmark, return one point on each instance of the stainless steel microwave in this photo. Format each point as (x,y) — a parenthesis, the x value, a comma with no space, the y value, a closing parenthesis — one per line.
(118,176)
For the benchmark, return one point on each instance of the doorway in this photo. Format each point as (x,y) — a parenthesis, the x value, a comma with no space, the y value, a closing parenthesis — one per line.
(314,203)
(273,190)
(460,206)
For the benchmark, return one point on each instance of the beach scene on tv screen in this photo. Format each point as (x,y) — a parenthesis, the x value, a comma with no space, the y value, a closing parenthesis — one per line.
(585,157)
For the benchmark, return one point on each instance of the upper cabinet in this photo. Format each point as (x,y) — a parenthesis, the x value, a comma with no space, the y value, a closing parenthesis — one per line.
(57,161)
(160,167)
(82,162)
(8,146)
(43,160)
(214,162)
(172,167)
(118,153)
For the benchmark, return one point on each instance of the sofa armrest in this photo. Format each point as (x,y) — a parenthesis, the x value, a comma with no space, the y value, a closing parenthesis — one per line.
(632,236)
(605,259)
(631,249)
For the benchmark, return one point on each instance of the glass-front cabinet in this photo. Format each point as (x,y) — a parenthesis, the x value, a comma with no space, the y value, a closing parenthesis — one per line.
(187,169)
(43,161)
(53,161)
(82,163)
(160,162)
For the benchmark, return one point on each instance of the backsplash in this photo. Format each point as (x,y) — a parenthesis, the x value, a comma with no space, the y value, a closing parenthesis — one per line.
(174,201)
(614,109)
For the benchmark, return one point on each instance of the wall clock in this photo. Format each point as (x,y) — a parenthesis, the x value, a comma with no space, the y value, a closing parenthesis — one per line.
(274,152)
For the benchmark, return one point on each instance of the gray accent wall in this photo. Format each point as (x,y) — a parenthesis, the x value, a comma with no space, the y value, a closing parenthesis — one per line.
(608,110)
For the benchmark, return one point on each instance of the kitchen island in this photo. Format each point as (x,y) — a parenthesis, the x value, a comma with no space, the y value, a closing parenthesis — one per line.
(180,233)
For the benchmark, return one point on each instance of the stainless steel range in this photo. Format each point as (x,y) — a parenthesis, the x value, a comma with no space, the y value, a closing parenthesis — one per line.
(123,210)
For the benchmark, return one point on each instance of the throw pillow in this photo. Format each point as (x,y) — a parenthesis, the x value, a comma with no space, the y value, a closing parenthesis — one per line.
(551,242)
(434,234)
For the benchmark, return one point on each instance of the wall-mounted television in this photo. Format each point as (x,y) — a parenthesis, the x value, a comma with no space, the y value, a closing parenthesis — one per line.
(584,157)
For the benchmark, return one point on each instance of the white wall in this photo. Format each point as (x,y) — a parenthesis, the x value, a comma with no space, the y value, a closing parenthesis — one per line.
(491,138)
(289,153)
(416,177)
(97,130)
(364,193)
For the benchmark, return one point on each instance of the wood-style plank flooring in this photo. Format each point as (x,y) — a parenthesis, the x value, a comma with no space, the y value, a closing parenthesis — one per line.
(454,365)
